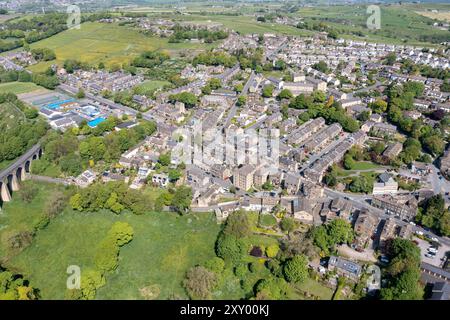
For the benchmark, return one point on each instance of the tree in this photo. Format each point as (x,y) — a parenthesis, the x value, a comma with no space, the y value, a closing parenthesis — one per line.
(182,199)
(268,91)
(215,83)
(288,224)
(199,282)
(319,96)
(333,34)
(164,159)
(107,255)
(321,66)
(390,59)
(272,250)
(435,144)
(378,106)
(189,99)
(296,269)
(403,271)
(230,248)
(174,174)
(215,265)
(122,232)
(340,231)
(239,87)
(90,282)
(349,163)
(280,65)
(360,184)
(238,225)
(242,100)
(272,288)
(80,94)
(71,164)
(285,94)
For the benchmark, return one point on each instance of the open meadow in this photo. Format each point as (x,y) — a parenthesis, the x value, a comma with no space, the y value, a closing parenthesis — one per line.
(164,247)
(109,43)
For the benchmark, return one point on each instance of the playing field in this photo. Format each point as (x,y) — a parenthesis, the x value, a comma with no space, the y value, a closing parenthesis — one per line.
(109,43)
(18,87)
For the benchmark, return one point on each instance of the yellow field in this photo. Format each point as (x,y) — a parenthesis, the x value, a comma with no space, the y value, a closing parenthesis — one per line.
(109,43)
(443,16)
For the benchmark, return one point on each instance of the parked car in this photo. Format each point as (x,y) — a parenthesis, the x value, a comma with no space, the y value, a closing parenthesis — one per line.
(412,223)
(428,255)
(432,250)
(384,259)
(419,233)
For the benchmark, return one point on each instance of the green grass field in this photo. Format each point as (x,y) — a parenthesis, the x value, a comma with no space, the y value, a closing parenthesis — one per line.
(165,245)
(109,43)
(149,86)
(399,23)
(18,87)
(244,24)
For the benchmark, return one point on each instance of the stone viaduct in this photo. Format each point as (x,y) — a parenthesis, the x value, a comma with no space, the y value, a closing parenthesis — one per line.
(18,171)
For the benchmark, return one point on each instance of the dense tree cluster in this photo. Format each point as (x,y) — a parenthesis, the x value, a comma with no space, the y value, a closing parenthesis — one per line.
(150,59)
(403,272)
(214,58)
(433,214)
(189,99)
(16,140)
(331,111)
(401,97)
(15,287)
(182,33)
(114,196)
(336,232)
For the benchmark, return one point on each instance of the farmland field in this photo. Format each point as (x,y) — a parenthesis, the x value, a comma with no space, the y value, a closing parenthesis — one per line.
(109,43)
(399,24)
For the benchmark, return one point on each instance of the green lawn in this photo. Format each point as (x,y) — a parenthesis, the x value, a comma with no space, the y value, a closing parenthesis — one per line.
(267,220)
(150,86)
(18,87)
(165,245)
(98,42)
(315,288)
(365,165)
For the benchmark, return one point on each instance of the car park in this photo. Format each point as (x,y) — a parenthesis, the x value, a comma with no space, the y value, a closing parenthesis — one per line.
(432,250)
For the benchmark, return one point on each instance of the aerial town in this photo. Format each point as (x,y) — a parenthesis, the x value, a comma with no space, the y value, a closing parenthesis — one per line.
(312,159)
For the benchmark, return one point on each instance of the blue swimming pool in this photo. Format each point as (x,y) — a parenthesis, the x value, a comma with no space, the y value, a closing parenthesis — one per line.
(95,122)
(56,105)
